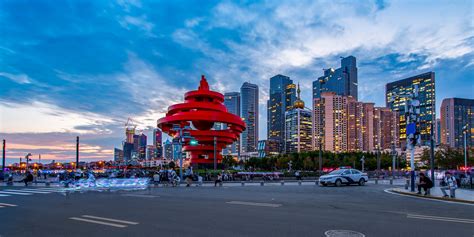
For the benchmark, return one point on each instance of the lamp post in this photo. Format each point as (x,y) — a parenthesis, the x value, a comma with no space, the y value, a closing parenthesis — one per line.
(3,156)
(362,161)
(464,130)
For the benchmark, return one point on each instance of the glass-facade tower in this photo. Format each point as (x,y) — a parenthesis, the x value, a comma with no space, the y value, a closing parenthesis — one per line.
(282,97)
(342,81)
(426,96)
(249,114)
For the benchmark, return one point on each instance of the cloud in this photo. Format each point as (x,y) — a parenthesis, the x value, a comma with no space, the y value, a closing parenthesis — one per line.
(18,78)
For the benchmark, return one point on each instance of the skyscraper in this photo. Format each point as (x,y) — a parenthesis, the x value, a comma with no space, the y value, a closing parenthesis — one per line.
(232,103)
(168,147)
(298,128)
(157,143)
(426,87)
(342,81)
(455,114)
(282,98)
(386,130)
(249,114)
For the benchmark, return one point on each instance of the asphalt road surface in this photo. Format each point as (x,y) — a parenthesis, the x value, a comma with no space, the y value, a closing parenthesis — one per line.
(229,211)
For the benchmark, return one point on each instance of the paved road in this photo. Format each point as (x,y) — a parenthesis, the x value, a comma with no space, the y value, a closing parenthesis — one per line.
(229,211)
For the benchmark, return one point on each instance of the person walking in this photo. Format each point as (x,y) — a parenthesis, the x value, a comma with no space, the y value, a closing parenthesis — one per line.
(218,180)
(298,175)
(449,183)
(424,183)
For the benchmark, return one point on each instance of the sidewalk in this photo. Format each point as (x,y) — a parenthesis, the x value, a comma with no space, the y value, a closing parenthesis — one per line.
(462,195)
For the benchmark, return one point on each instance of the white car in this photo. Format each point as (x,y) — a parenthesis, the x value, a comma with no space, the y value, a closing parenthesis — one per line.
(344,176)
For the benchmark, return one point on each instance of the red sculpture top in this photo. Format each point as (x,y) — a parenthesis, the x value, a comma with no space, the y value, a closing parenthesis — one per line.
(201,109)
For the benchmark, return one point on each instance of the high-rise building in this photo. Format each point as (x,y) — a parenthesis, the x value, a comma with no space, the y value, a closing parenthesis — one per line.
(157,143)
(118,155)
(232,103)
(342,81)
(386,130)
(298,128)
(141,146)
(343,124)
(168,147)
(437,131)
(150,152)
(282,97)
(267,148)
(426,96)
(249,114)
(127,151)
(456,113)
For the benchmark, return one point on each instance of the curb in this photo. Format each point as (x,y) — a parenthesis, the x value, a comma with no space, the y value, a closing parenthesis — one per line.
(432,197)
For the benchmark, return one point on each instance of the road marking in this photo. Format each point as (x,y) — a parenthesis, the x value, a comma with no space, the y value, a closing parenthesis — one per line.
(7,205)
(429,199)
(97,222)
(26,191)
(440,218)
(110,219)
(259,204)
(8,192)
(4,195)
(139,195)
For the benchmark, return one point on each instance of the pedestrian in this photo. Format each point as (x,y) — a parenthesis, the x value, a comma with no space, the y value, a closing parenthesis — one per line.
(218,180)
(297,175)
(449,183)
(425,183)
(189,176)
(28,178)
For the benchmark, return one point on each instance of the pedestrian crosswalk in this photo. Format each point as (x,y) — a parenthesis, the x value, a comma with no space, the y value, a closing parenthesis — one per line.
(6,192)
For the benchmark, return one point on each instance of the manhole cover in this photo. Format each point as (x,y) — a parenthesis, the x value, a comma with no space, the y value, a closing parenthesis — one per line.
(343,233)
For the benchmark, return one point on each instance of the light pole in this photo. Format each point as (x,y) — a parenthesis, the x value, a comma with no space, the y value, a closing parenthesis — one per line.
(394,157)
(464,130)
(362,161)
(432,154)
(3,156)
(77,152)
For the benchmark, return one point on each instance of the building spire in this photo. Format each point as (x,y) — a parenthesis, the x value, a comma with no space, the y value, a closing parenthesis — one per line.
(299,104)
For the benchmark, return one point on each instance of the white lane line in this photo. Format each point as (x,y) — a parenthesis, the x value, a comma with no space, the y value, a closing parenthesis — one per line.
(139,195)
(110,219)
(440,218)
(259,204)
(4,195)
(25,191)
(14,193)
(7,205)
(97,222)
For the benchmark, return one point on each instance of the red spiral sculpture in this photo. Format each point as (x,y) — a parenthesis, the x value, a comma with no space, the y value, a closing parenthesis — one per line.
(200,110)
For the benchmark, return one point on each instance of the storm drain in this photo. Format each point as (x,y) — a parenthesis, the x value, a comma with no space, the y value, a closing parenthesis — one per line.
(343,233)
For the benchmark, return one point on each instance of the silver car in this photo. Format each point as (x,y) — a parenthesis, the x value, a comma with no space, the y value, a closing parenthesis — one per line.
(344,176)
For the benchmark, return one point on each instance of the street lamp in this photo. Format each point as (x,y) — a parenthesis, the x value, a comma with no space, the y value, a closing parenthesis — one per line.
(464,130)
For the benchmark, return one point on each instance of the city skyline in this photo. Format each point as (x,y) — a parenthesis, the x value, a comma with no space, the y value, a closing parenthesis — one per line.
(55,89)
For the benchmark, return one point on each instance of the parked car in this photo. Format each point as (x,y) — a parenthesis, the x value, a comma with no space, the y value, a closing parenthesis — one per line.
(344,176)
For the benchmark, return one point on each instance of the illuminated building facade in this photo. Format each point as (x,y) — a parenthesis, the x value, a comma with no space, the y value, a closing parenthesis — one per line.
(426,96)
(386,128)
(455,114)
(282,97)
(267,147)
(168,150)
(342,81)
(232,103)
(157,143)
(298,128)
(249,114)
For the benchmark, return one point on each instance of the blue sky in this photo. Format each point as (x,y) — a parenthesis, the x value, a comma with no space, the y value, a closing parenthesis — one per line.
(72,68)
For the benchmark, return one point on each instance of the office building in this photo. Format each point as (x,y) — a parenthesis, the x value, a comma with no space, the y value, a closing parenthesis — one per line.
(426,96)
(127,151)
(342,81)
(298,128)
(150,152)
(118,155)
(157,143)
(457,116)
(168,150)
(249,114)
(282,97)
(232,103)
(267,148)
(386,130)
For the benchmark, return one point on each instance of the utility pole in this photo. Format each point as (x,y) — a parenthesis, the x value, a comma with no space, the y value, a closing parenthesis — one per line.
(77,152)
(394,157)
(3,156)
(362,161)
(215,153)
